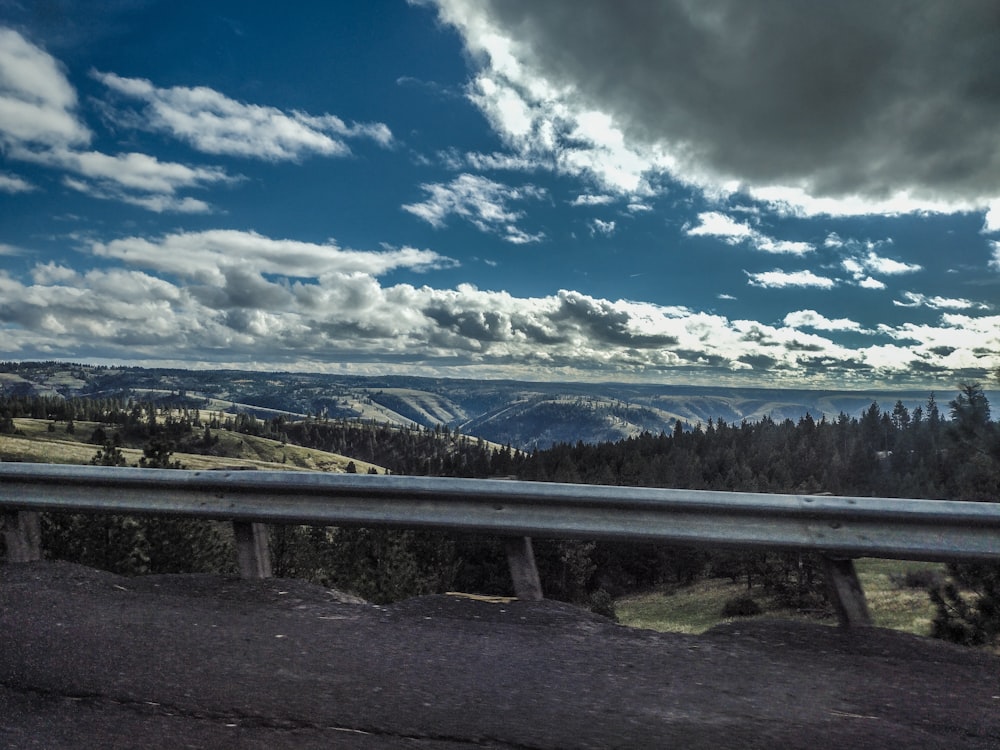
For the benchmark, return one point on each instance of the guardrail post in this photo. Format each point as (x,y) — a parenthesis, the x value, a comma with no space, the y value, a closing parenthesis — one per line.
(252,552)
(521,560)
(846,593)
(22,533)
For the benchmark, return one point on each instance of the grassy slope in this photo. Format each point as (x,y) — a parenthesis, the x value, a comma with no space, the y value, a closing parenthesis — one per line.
(695,609)
(39,445)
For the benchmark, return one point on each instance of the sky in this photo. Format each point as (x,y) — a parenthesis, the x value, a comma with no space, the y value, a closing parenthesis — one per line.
(775,194)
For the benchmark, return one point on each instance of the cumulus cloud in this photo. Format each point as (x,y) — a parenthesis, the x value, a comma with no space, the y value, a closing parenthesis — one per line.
(861,261)
(847,108)
(215,124)
(778,279)
(732,232)
(859,267)
(994,262)
(869,283)
(37,102)
(480,201)
(715,224)
(888,266)
(812,319)
(223,296)
(956,343)
(991,222)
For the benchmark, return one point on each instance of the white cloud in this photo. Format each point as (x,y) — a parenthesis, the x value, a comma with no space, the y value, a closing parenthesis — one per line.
(861,265)
(37,102)
(498,161)
(833,240)
(480,201)
(38,124)
(156,203)
(135,178)
(888,266)
(209,256)
(994,262)
(606,228)
(782,247)
(991,222)
(869,283)
(151,202)
(781,279)
(213,123)
(131,171)
(957,342)
(716,224)
(593,200)
(915,299)
(812,319)
(13,184)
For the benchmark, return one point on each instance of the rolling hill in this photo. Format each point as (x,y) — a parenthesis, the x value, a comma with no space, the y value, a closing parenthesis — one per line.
(521,414)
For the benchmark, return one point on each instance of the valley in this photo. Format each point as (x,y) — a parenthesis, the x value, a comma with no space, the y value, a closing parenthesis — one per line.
(524,415)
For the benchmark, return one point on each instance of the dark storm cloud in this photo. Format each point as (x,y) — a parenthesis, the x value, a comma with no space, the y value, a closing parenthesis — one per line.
(799,346)
(600,321)
(472,324)
(760,362)
(852,97)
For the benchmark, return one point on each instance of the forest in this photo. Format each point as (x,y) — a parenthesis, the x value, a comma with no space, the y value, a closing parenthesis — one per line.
(932,451)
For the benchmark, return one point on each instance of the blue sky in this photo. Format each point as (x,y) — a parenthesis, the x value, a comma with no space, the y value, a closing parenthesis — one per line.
(718,193)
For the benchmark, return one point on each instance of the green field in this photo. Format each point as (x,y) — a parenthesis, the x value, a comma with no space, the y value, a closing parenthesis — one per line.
(696,608)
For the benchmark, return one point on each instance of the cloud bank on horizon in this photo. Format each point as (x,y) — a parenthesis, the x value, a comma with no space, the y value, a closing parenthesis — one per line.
(668,191)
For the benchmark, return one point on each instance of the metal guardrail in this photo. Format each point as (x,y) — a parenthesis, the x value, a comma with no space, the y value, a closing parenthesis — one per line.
(847,526)
(838,527)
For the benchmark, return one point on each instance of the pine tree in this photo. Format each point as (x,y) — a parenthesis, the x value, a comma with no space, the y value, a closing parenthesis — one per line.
(971,619)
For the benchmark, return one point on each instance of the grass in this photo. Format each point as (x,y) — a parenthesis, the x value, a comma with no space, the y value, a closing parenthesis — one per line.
(697,608)
(38,444)
(894,606)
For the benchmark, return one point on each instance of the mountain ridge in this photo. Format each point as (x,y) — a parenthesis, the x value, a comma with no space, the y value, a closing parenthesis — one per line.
(525,415)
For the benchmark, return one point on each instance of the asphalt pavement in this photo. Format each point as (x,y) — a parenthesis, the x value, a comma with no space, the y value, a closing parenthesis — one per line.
(89,659)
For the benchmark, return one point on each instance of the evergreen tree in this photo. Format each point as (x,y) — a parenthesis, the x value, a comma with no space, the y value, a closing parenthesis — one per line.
(109,455)
(971,619)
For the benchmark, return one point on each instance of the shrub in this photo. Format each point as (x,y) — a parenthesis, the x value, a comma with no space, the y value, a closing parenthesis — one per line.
(602,604)
(970,617)
(917,578)
(741,606)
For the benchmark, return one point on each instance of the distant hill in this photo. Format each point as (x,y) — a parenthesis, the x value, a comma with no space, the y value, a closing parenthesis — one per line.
(524,415)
